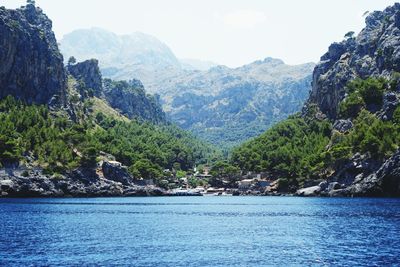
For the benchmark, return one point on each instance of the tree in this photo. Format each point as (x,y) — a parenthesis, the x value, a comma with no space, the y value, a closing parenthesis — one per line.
(89,156)
(145,169)
(223,170)
(71,61)
(8,150)
(349,35)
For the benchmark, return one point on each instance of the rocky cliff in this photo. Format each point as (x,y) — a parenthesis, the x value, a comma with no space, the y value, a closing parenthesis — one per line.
(88,73)
(375,51)
(109,179)
(131,99)
(31,66)
(362,109)
(32,70)
(128,97)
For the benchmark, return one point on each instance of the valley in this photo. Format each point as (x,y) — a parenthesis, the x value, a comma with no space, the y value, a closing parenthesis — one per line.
(109,114)
(224,106)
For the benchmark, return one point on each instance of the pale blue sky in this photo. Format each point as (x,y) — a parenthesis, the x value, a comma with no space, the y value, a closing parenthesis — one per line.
(229,32)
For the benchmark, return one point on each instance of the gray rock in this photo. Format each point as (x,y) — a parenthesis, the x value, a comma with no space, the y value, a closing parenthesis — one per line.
(131,99)
(79,183)
(333,186)
(89,73)
(309,191)
(114,171)
(384,182)
(31,66)
(374,52)
(323,185)
(390,103)
(343,126)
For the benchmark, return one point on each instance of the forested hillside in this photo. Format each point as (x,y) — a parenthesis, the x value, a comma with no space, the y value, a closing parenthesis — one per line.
(80,127)
(348,133)
(32,134)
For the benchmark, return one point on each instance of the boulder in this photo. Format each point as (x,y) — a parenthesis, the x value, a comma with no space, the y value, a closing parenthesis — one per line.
(114,171)
(309,191)
(343,126)
(323,185)
(333,186)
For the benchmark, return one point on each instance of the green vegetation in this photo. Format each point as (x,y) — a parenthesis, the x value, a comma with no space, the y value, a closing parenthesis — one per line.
(58,144)
(305,148)
(363,94)
(290,150)
(31,130)
(224,171)
(370,135)
(296,150)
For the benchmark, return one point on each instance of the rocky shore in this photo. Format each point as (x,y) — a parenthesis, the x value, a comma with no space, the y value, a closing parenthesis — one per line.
(361,177)
(110,179)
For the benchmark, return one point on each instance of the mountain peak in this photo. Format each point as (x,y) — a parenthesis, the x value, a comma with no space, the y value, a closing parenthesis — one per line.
(123,50)
(374,52)
(272,61)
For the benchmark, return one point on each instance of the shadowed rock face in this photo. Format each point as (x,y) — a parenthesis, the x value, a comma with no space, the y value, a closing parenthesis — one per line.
(374,52)
(89,73)
(82,182)
(31,66)
(131,99)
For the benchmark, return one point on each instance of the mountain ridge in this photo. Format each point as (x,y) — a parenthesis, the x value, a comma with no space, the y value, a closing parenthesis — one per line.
(345,142)
(216,102)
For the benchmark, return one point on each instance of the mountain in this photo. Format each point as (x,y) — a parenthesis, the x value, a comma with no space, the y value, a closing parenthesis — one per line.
(118,50)
(227,106)
(345,142)
(195,64)
(123,57)
(31,66)
(66,131)
(374,52)
(219,104)
(127,97)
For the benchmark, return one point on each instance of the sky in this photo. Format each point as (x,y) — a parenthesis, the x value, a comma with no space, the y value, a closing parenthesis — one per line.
(228,32)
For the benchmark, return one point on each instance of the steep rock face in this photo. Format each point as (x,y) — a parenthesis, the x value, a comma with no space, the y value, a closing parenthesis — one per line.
(31,66)
(384,182)
(114,171)
(131,99)
(362,177)
(89,73)
(374,52)
(82,182)
(128,97)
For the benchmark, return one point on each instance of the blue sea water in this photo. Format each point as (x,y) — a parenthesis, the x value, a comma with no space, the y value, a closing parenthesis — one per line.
(200,231)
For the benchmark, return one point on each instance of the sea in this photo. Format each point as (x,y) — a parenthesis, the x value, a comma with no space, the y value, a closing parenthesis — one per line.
(200,231)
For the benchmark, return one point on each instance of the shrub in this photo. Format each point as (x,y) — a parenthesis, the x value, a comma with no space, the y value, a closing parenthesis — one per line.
(351,106)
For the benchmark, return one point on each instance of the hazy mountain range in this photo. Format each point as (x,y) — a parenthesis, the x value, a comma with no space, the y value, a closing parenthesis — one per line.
(223,105)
